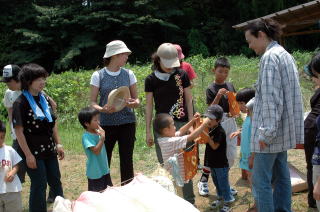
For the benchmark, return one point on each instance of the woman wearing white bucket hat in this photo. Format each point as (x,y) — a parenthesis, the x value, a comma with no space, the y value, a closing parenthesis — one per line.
(169,88)
(117,121)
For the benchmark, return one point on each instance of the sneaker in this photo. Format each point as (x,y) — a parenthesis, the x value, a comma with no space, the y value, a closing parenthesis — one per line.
(225,208)
(203,188)
(230,201)
(215,204)
(233,191)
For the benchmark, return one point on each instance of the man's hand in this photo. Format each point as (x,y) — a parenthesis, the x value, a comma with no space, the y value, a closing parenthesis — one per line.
(262,145)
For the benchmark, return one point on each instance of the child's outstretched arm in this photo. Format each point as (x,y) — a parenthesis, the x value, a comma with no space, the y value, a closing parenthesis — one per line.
(184,129)
(198,131)
(97,148)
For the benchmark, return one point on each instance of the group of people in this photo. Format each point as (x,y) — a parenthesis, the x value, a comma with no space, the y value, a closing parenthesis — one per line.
(274,124)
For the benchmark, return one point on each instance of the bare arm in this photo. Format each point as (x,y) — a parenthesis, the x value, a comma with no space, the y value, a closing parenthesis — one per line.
(220,93)
(56,137)
(148,116)
(30,159)
(97,148)
(134,101)
(53,104)
(10,174)
(9,110)
(188,98)
(213,144)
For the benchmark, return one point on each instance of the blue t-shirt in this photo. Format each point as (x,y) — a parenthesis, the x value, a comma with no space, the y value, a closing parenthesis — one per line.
(245,144)
(97,165)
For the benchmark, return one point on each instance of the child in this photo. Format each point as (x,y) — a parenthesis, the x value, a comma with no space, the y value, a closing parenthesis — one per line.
(93,143)
(10,77)
(216,152)
(172,141)
(216,94)
(10,185)
(245,99)
(187,67)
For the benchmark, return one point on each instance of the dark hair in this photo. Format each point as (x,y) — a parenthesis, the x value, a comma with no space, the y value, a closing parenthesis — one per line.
(222,62)
(315,63)
(106,61)
(156,62)
(245,94)
(160,122)
(29,73)
(86,114)
(269,26)
(3,127)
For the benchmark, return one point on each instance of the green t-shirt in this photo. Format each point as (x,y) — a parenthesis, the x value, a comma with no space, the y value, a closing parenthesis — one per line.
(97,165)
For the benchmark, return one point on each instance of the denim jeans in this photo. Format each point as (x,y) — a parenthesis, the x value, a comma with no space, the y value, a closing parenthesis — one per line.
(220,177)
(268,169)
(47,171)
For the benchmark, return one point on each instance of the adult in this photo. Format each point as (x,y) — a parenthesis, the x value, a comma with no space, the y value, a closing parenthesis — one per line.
(310,127)
(120,126)
(168,88)
(37,133)
(277,123)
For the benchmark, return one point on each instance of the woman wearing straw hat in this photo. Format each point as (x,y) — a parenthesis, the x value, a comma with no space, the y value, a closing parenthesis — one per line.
(118,125)
(168,87)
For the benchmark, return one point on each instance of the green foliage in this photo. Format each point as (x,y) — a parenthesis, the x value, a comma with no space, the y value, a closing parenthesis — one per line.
(195,41)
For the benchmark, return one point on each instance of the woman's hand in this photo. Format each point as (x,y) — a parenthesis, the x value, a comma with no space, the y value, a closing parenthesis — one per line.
(108,109)
(60,152)
(251,159)
(31,162)
(149,140)
(132,103)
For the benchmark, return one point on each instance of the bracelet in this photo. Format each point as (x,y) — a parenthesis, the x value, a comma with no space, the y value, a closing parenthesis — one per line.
(59,145)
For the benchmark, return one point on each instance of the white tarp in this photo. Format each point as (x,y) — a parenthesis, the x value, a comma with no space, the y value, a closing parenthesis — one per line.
(141,195)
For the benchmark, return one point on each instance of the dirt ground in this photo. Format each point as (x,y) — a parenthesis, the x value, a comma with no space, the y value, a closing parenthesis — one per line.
(75,182)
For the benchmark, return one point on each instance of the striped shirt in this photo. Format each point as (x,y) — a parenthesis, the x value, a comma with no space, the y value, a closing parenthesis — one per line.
(170,146)
(278,109)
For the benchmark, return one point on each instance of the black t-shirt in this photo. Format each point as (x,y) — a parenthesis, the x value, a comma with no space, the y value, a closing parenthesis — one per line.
(168,95)
(38,133)
(212,92)
(310,121)
(217,158)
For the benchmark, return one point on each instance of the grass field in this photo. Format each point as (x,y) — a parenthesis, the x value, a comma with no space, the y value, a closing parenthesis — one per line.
(243,74)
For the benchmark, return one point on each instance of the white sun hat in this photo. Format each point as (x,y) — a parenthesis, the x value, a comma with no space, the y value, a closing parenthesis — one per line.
(168,55)
(118,97)
(116,47)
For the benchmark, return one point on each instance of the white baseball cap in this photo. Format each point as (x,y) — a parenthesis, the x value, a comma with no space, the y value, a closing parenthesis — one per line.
(10,71)
(116,47)
(168,55)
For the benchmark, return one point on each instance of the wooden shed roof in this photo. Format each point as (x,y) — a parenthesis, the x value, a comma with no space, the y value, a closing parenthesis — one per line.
(295,20)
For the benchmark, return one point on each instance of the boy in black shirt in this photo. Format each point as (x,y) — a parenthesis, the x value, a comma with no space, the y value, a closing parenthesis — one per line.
(216,152)
(216,95)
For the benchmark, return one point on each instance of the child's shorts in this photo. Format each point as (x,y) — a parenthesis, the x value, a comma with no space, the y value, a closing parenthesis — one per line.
(11,201)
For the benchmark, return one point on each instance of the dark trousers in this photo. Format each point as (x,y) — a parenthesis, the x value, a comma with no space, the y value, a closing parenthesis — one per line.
(99,184)
(309,143)
(125,135)
(47,171)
